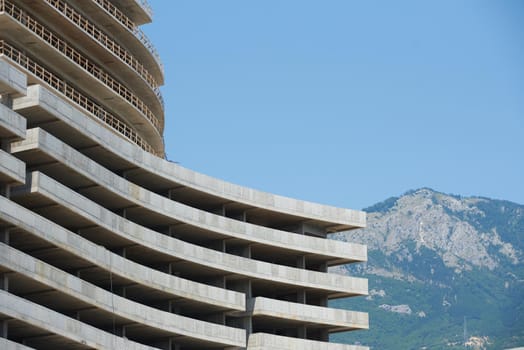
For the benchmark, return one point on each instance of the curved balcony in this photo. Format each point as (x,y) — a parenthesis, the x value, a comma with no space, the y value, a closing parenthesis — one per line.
(148,243)
(12,170)
(264,341)
(21,21)
(12,125)
(139,10)
(110,304)
(96,255)
(7,344)
(50,321)
(84,32)
(152,209)
(42,75)
(12,81)
(272,311)
(127,33)
(163,174)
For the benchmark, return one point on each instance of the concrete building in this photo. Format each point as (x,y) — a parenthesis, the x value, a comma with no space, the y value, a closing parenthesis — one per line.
(107,245)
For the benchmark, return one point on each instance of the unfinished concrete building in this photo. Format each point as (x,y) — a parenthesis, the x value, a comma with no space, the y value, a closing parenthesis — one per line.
(107,245)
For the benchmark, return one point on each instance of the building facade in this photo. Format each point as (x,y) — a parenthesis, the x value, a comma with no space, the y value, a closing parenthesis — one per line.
(107,245)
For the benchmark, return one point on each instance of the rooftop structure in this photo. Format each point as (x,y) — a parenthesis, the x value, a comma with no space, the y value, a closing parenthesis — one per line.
(104,244)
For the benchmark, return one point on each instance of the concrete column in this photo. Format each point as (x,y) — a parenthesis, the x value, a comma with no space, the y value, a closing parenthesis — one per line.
(4,236)
(167,344)
(4,328)
(221,210)
(5,190)
(170,268)
(324,336)
(219,244)
(122,251)
(302,332)
(6,100)
(301,262)
(301,296)
(4,281)
(323,267)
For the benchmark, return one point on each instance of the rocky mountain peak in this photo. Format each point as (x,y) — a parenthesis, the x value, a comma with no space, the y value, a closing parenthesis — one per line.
(458,229)
(436,262)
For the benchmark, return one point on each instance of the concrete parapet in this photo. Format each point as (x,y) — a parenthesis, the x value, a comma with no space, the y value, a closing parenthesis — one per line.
(6,344)
(38,139)
(67,327)
(12,170)
(105,259)
(111,303)
(336,319)
(12,125)
(179,175)
(206,257)
(12,80)
(263,341)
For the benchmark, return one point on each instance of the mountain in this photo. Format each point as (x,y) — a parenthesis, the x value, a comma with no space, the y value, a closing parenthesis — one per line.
(442,269)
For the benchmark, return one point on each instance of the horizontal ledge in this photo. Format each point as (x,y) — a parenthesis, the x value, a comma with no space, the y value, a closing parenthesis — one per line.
(12,80)
(12,170)
(67,327)
(264,341)
(12,125)
(100,298)
(336,319)
(40,140)
(51,189)
(178,175)
(105,259)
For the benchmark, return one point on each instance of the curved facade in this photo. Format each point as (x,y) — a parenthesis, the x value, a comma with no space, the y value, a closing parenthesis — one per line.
(104,244)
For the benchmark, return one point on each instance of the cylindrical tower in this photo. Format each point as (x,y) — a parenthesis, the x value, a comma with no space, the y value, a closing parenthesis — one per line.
(105,244)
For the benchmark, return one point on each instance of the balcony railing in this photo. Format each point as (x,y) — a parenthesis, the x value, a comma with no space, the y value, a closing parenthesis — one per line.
(23,18)
(83,23)
(66,89)
(146,7)
(132,27)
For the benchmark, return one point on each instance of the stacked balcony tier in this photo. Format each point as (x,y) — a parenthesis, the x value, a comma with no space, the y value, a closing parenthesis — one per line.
(106,245)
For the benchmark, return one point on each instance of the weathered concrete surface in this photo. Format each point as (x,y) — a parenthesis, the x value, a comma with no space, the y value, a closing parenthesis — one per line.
(38,139)
(6,344)
(263,341)
(171,246)
(12,125)
(102,257)
(67,327)
(111,303)
(140,235)
(12,170)
(337,319)
(12,80)
(38,95)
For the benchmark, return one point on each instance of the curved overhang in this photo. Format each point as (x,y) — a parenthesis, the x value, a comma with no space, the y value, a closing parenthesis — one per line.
(152,209)
(147,168)
(147,318)
(66,206)
(127,32)
(91,254)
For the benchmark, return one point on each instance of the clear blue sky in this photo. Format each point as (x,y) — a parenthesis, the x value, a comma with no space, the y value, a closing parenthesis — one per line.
(346,102)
